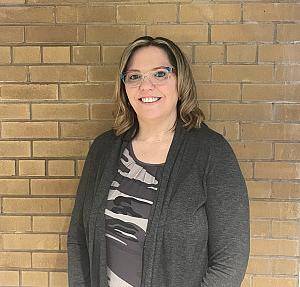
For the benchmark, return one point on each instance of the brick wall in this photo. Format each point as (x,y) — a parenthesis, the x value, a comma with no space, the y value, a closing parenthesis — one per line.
(57,66)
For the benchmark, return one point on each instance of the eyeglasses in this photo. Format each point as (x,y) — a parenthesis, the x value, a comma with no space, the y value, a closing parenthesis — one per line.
(158,76)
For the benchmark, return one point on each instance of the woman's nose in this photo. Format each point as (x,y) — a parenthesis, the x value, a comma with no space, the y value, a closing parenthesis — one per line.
(146,83)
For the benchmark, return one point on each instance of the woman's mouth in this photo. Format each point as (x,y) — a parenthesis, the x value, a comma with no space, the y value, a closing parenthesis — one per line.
(149,99)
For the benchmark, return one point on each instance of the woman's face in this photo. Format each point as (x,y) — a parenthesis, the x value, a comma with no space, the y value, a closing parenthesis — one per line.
(141,97)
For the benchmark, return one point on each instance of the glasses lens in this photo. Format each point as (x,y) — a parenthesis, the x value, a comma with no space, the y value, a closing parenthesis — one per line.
(159,76)
(133,78)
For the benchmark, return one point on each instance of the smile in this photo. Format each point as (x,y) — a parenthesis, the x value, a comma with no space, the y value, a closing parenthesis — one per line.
(149,100)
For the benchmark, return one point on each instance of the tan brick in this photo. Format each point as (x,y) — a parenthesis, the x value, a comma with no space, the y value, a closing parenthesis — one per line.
(49,260)
(81,130)
(63,242)
(80,164)
(7,168)
(266,281)
(30,205)
(246,281)
(15,259)
(58,2)
(15,223)
(201,72)
(205,108)
(85,14)
(103,73)
(287,112)
(11,34)
(111,34)
(14,186)
(54,186)
(287,72)
(247,169)
(180,33)
(241,53)
(34,279)
(29,92)
(270,131)
(287,151)
(14,111)
(12,2)
(58,279)
(230,130)
(283,247)
(58,34)
(260,228)
(58,74)
(286,229)
(61,168)
(87,92)
(187,51)
(288,32)
(13,74)
(252,150)
(102,111)
(259,189)
(29,130)
(285,190)
(209,13)
(72,148)
(51,223)
(112,55)
(14,149)
(276,210)
(56,55)
(218,91)
(271,92)
(86,55)
(149,13)
(32,167)
(9,278)
(67,205)
(30,241)
(59,111)
(244,73)
(5,57)
(209,53)
(277,170)
(279,53)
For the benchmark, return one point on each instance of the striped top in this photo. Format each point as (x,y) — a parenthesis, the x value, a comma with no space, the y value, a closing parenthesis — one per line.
(129,202)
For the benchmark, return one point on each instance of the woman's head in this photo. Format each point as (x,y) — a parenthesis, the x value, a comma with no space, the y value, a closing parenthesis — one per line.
(155,69)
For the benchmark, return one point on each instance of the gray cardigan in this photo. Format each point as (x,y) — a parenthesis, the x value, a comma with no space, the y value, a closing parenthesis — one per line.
(198,230)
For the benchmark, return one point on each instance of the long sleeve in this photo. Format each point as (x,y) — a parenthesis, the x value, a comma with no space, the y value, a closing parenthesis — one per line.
(227,210)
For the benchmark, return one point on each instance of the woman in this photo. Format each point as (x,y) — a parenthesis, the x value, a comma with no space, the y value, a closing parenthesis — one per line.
(161,201)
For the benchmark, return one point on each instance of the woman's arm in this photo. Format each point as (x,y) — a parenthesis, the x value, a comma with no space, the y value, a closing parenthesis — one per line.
(227,210)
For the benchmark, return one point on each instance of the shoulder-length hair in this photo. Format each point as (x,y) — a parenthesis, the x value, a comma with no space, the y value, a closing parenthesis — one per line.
(187,106)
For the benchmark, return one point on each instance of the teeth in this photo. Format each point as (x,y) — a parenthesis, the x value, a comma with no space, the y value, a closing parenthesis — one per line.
(149,100)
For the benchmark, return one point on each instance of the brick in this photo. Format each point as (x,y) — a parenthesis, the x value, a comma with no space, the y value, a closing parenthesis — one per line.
(275,210)
(32,167)
(201,72)
(87,92)
(274,247)
(270,131)
(24,55)
(30,241)
(243,73)
(287,151)
(81,130)
(30,205)
(111,54)
(2,2)
(61,168)
(9,278)
(57,34)
(271,282)
(5,57)
(51,223)
(149,13)
(112,34)
(58,74)
(58,2)
(288,32)
(246,281)
(86,55)
(54,186)
(34,278)
(80,164)
(29,92)
(85,14)
(252,150)
(14,186)
(7,168)
(59,111)
(209,13)
(15,223)
(260,228)
(14,112)
(259,189)
(49,260)
(285,190)
(73,148)
(205,108)
(286,229)
(11,34)
(103,73)
(180,33)
(63,242)
(271,92)
(29,130)
(230,130)
(58,279)
(13,74)
(218,91)
(14,149)
(209,53)
(56,55)
(247,112)
(279,53)
(277,170)
(102,111)
(67,205)
(287,112)
(247,169)
(241,53)
(15,259)
(242,33)
(287,72)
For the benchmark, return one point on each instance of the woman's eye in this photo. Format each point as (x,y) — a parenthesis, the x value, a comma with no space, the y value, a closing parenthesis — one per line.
(134,77)
(160,74)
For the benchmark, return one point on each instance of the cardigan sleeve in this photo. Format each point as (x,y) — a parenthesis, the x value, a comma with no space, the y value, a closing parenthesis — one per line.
(227,210)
